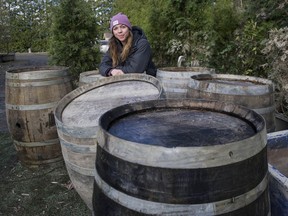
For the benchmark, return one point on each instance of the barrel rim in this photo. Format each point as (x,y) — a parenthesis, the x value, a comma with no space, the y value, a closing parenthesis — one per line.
(185,69)
(33,73)
(35,68)
(182,157)
(266,87)
(233,77)
(67,99)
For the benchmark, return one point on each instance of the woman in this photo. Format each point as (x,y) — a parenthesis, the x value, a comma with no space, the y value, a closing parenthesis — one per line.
(129,50)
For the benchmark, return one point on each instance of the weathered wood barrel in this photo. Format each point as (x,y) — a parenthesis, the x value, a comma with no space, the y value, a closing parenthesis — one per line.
(253,92)
(175,79)
(77,117)
(31,94)
(181,157)
(89,77)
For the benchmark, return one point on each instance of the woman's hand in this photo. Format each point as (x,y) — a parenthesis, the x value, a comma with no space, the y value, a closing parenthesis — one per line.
(116,72)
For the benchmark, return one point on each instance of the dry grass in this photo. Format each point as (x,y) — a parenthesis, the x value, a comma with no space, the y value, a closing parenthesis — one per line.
(39,191)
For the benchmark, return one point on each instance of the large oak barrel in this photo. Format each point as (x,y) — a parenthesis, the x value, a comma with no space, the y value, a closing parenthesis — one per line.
(181,157)
(77,117)
(89,77)
(253,92)
(175,79)
(31,94)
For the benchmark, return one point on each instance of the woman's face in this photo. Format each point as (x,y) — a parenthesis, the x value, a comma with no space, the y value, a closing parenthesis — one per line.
(121,32)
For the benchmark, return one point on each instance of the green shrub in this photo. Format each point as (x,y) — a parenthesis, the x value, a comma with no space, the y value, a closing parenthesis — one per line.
(74,37)
(276,51)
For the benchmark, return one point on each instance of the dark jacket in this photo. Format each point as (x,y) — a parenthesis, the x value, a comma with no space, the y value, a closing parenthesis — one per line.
(138,61)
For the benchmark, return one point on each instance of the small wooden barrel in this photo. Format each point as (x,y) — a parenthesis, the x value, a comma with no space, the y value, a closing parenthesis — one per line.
(175,79)
(31,95)
(89,77)
(252,92)
(77,117)
(181,157)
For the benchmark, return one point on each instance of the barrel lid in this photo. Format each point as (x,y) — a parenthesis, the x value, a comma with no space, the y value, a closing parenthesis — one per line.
(82,107)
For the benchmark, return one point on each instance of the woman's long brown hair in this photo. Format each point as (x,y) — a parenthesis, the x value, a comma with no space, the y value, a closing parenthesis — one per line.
(125,51)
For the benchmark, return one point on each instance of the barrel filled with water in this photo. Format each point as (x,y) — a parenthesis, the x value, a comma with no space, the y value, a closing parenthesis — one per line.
(181,157)
(253,92)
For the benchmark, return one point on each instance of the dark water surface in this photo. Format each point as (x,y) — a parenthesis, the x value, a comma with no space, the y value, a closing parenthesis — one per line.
(181,128)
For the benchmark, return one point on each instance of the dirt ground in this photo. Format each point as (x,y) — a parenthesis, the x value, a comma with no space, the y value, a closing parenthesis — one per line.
(44,190)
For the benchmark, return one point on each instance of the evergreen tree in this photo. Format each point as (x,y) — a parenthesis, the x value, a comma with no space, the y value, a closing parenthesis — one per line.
(74,37)
(21,16)
(177,30)
(5,28)
(26,24)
